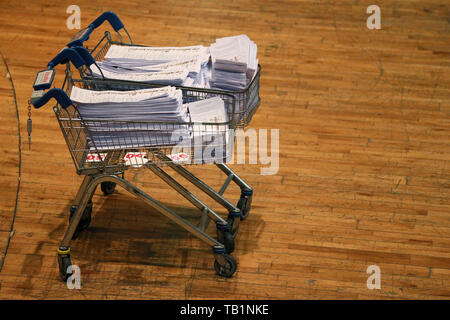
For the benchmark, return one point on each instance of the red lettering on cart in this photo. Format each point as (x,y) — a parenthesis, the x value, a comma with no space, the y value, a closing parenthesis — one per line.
(179,156)
(131,155)
(93,157)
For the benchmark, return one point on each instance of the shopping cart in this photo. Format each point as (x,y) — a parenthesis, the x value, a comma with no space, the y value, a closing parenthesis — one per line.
(247,100)
(246,103)
(106,166)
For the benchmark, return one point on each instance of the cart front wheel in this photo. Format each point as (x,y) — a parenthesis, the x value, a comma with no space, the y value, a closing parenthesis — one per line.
(226,267)
(108,187)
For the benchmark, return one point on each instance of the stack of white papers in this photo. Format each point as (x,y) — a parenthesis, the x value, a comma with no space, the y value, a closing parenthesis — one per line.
(211,134)
(234,62)
(164,65)
(208,116)
(155,118)
(229,64)
(168,77)
(130,119)
(157,54)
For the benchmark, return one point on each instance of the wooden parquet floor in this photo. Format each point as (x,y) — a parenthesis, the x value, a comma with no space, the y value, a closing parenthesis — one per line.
(364,158)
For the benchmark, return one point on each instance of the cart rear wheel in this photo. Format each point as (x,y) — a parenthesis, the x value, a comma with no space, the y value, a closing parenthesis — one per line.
(108,187)
(226,268)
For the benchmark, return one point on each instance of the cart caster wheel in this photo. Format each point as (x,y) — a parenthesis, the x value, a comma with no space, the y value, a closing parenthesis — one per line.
(227,267)
(85,220)
(107,187)
(244,204)
(64,263)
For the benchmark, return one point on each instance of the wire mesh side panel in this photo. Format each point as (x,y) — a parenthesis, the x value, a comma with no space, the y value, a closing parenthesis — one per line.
(74,132)
(102,47)
(247,100)
(118,145)
(138,143)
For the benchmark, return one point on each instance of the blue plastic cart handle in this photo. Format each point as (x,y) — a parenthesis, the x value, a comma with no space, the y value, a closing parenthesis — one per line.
(60,96)
(83,35)
(67,54)
(85,55)
(112,18)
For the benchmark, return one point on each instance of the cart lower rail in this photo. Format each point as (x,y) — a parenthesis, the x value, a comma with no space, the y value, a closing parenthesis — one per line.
(225,265)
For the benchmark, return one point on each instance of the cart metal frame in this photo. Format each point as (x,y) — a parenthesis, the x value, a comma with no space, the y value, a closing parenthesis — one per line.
(247,101)
(110,171)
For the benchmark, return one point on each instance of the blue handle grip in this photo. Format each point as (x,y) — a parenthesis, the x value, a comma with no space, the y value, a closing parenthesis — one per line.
(85,55)
(67,54)
(60,96)
(112,18)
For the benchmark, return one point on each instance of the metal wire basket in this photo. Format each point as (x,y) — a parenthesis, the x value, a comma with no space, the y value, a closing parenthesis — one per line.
(247,100)
(116,145)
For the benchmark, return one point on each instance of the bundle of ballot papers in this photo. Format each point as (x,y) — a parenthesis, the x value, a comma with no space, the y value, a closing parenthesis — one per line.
(154,117)
(185,66)
(230,64)
(234,62)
